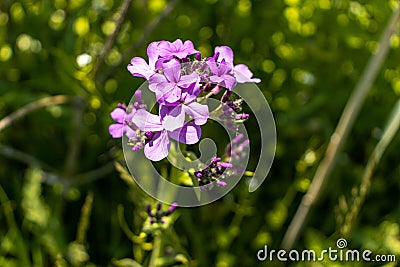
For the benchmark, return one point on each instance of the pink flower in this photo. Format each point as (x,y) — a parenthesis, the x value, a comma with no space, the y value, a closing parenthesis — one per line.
(241,72)
(118,129)
(158,147)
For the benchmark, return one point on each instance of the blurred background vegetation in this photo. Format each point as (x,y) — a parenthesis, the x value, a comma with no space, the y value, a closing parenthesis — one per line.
(66,198)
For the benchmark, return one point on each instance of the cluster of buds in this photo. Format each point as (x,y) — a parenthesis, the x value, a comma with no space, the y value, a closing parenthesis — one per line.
(158,215)
(231,111)
(214,172)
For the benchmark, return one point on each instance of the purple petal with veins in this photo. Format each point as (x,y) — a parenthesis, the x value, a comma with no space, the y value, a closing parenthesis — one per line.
(158,148)
(176,49)
(139,67)
(188,134)
(165,90)
(146,121)
(173,117)
(153,54)
(187,80)
(172,71)
(243,74)
(198,112)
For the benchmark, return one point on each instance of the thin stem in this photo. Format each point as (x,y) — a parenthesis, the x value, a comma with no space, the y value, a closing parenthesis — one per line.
(124,226)
(84,220)
(76,137)
(121,15)
(342,130)
(41,103)
(206,96)
(51,177)
(156,250)
(90,176)
(23,157)
(390,131)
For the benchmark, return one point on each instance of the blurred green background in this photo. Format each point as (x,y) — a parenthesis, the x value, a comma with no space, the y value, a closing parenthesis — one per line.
(66,198)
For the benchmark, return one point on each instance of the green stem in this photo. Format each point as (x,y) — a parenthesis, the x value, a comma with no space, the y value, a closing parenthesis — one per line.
(388,135)
(121,15)
(156,250)
(84,220)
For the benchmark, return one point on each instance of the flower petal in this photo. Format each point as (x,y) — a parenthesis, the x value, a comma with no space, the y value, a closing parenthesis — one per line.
(139,67)
(225,68)
(189,47)
(129,132)
(116,130)
(118,115)
(172,93)
(153,53)
(188,134)
(146,121)
(172,71)
(190,93)
(156,82)
(177,44)
(243,74)
(225,53)
(158,148)
(229,81)
(213,67)
(164,48)
(187,80)
(172,117)
(177,49)
(216,79)
(198,112)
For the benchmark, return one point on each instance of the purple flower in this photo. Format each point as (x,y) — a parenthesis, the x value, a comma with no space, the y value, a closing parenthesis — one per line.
(241,71)
(177,75)
(137,138)
(158,147)
(176,49)
(139,67)
(117,130)
(173,115)
(222,74)
(168,86)
(159,53)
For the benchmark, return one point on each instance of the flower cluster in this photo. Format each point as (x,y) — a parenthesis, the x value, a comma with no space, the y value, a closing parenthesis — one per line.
(214,172)
(157,215)
(180,79)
